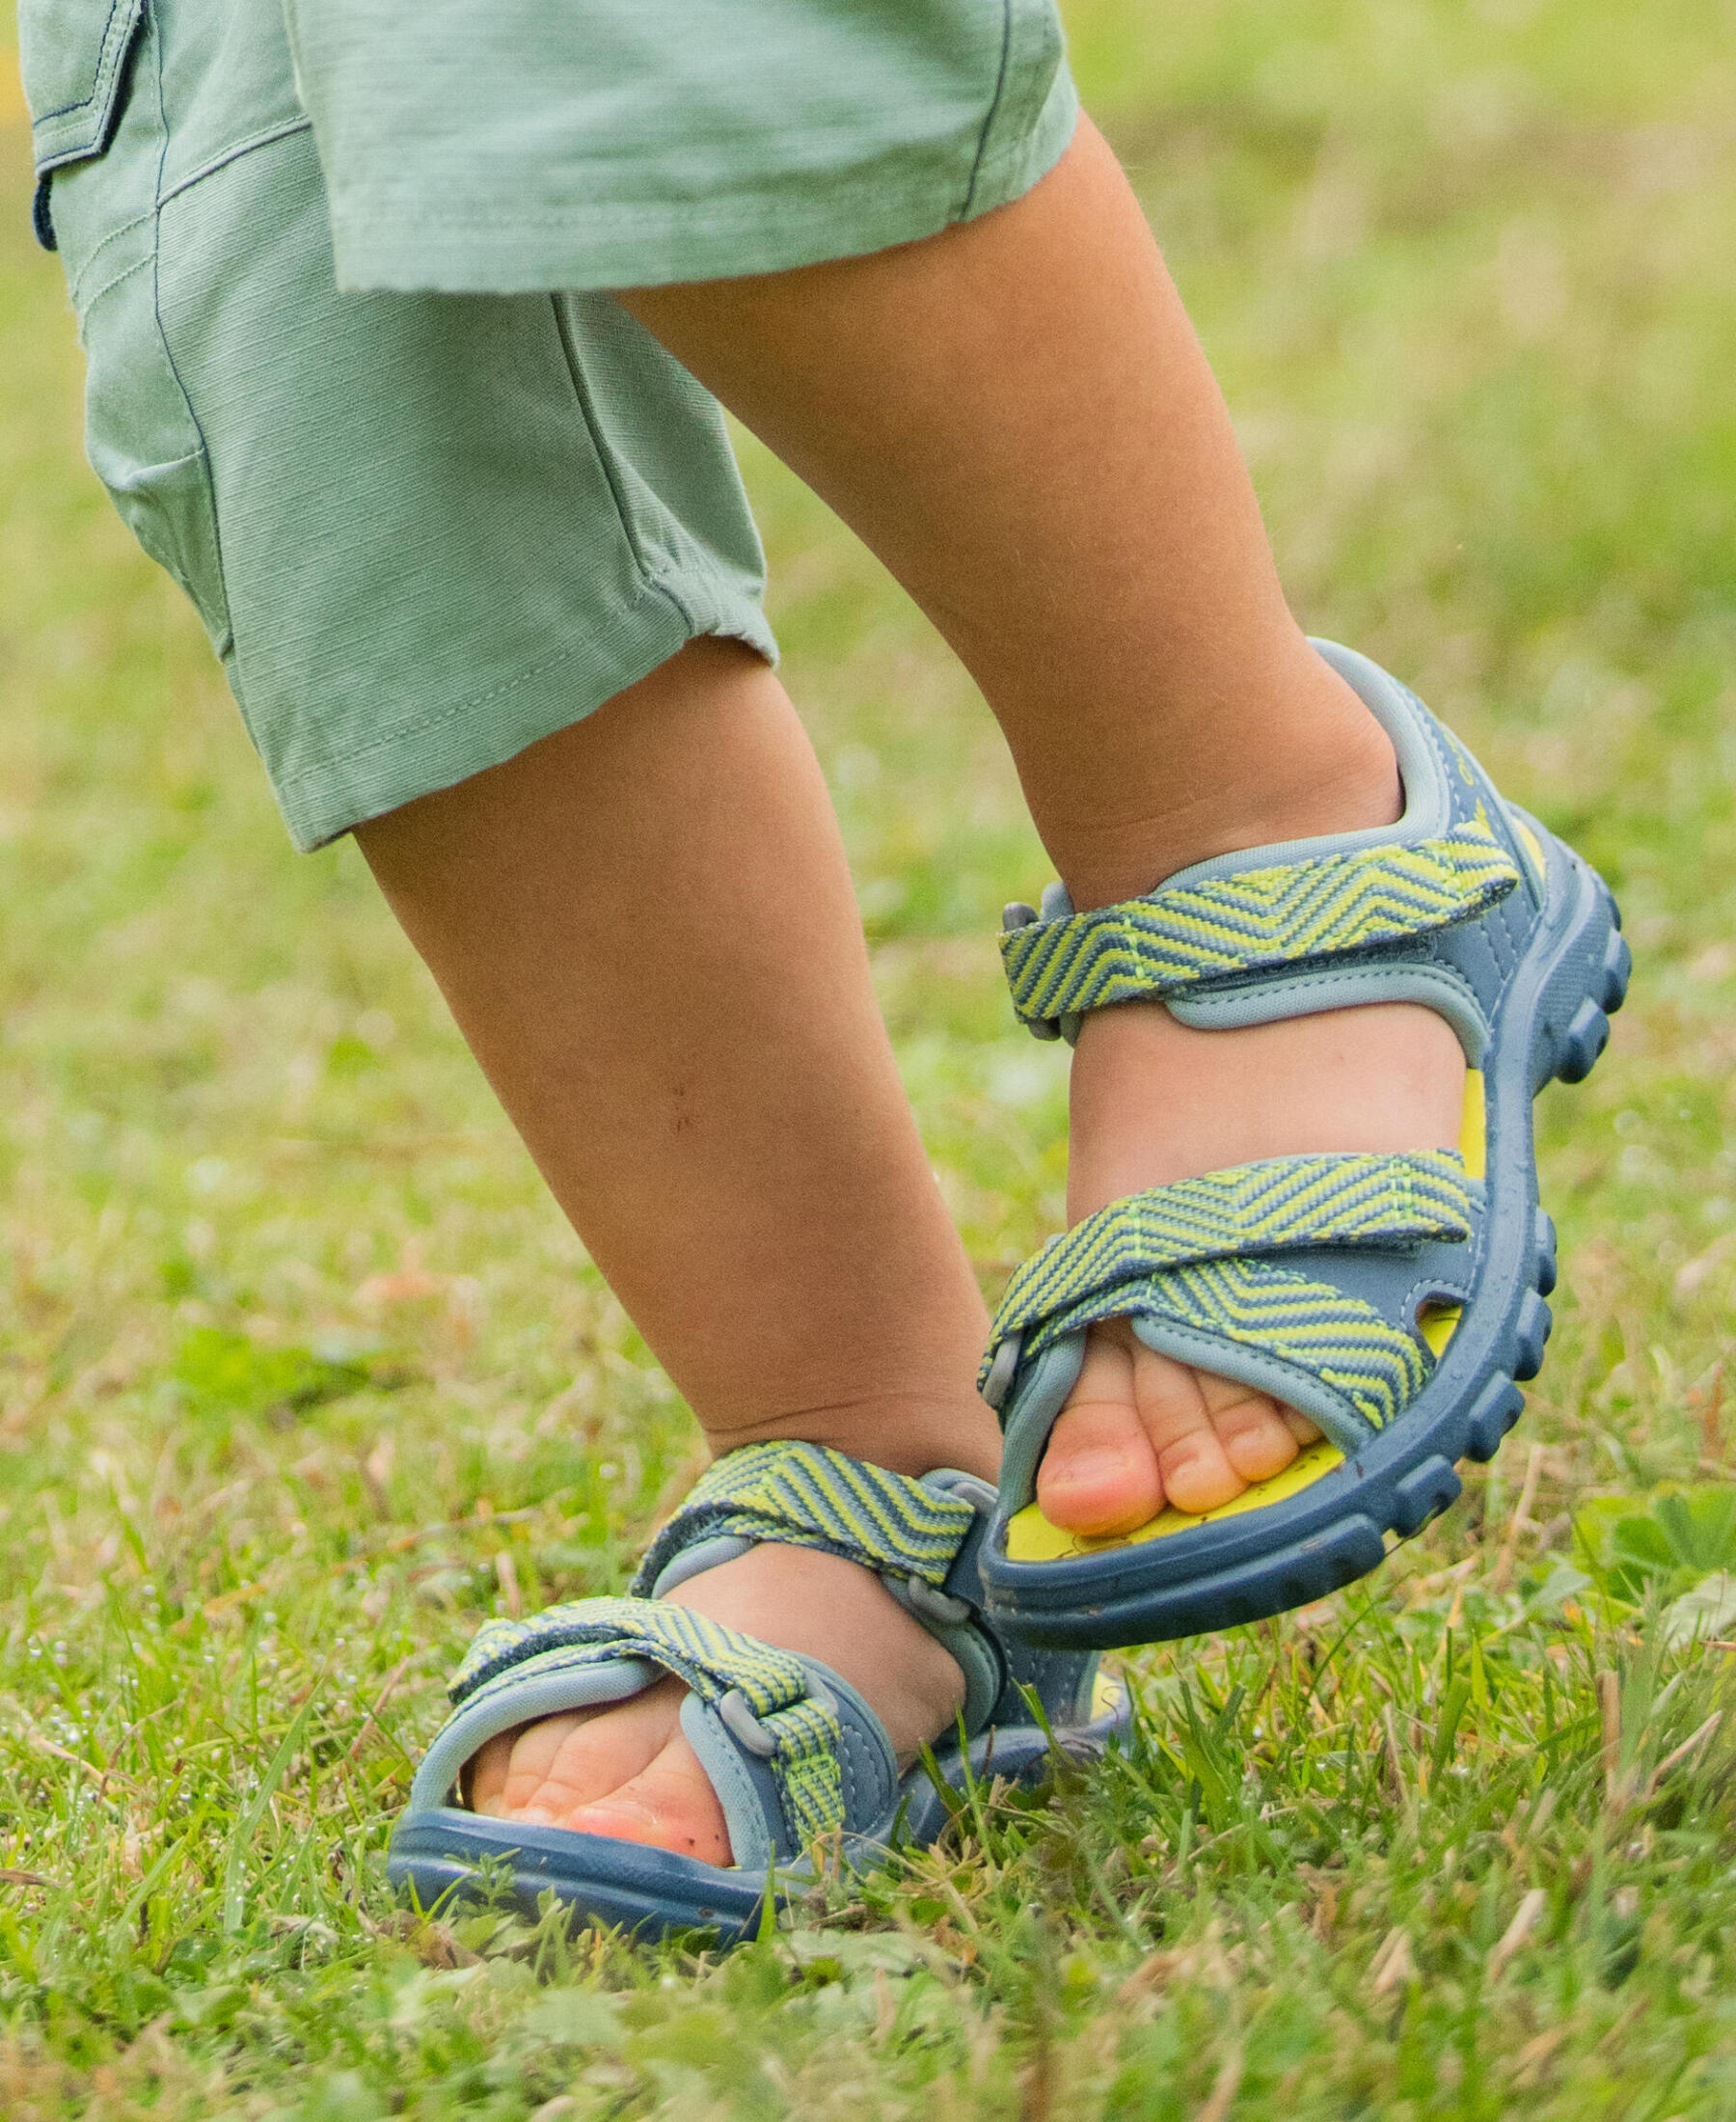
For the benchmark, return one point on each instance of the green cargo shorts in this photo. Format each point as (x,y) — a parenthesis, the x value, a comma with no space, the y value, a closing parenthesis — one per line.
(434,493)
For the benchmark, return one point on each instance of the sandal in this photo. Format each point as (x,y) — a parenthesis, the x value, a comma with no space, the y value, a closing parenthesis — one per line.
(799,1763)
(1393,1301)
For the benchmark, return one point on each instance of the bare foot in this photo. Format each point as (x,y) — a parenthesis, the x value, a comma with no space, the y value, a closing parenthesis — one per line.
(1152,1102)
(627,1771)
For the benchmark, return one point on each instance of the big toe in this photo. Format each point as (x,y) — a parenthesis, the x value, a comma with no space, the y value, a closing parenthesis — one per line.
(1140,1430)
(1100,1473)
(671,1805)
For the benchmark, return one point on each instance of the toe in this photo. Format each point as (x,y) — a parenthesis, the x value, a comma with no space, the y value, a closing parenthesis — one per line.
(1099,1473)
(1196,1470)
(513,1767)
(580,1765)
(1256,1438)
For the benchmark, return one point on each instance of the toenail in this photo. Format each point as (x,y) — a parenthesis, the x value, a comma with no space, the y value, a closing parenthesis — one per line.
(1100,1462)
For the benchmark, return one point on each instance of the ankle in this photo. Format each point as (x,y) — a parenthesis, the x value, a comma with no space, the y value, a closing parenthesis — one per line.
(1307,758)
(1154,1101)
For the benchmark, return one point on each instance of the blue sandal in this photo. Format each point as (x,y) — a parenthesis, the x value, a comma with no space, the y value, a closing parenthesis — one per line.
(1394,1300)
(801,1764)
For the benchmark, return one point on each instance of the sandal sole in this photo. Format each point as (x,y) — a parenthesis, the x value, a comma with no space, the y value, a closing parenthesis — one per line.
(446,1856)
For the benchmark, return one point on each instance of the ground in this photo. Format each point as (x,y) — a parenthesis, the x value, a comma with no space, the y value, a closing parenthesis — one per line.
(301,1375)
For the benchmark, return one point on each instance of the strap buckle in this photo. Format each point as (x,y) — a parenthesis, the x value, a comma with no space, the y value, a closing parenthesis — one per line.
(743,1726)
(1002,1371)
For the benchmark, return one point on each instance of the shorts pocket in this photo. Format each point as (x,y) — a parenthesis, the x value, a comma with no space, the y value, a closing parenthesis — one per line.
(103,148)
(141,435)
(73,57)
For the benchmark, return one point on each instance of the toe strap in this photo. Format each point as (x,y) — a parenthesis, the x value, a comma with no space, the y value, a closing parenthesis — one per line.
(1301,1277)
(792,1750)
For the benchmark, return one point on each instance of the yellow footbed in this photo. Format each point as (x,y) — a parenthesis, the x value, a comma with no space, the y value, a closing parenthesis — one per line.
(1031,1537)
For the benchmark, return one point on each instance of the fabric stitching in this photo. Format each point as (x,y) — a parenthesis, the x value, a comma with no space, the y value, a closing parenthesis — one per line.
(156,311)
(995,104)
(283,130)
(137,265)
(611,471)
(722,217)
(96,84)
(113,235)
(397,735)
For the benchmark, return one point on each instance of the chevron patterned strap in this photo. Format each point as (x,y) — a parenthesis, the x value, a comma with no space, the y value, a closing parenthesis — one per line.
(1190,1253)
(1375,1365)
(713,1660)
(1187,938)
(1251,1208)
(806,1495)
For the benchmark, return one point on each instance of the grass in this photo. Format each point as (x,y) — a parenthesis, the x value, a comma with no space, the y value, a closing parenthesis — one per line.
(301,1375)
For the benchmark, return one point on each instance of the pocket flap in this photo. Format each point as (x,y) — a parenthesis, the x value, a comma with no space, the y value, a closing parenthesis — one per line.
(73,61)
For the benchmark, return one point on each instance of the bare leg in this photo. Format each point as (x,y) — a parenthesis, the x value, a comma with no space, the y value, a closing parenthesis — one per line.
(644,927)
(1018,418)
(646,931)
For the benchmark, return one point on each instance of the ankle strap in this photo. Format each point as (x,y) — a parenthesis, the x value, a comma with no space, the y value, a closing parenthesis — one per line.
(1187,939)
(920,1538)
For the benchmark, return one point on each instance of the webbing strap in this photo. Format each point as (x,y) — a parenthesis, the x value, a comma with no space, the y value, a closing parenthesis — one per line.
(1325,1332)
(1353,1199)
(713,1660)
(807,1495)
(1182,938)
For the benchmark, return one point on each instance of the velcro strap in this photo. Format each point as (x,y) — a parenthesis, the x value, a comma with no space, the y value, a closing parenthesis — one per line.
(1375,1368)
(807,1495)
(1187,938)
(1277,1206)
(713,1660)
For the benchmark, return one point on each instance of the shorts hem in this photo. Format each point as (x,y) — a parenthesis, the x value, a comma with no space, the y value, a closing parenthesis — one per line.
(1010,170)
(383,242)
(418,754)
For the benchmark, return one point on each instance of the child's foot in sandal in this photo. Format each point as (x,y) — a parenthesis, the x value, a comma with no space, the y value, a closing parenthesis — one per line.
(657,1764)
(1154,1101)
(1291,1305)
(629,1771)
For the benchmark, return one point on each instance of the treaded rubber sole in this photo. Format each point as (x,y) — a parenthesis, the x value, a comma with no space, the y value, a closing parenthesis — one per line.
(444,1857)
(1292,1553)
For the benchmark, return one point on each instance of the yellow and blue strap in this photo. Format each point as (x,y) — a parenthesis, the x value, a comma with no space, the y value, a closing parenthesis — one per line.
(1184,938)
(801,1728)
(807,1495)
(1191,1253)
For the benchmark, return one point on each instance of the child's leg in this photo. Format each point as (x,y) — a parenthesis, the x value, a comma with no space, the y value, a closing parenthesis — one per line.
(646,930)
(1018,418)
(644,927)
